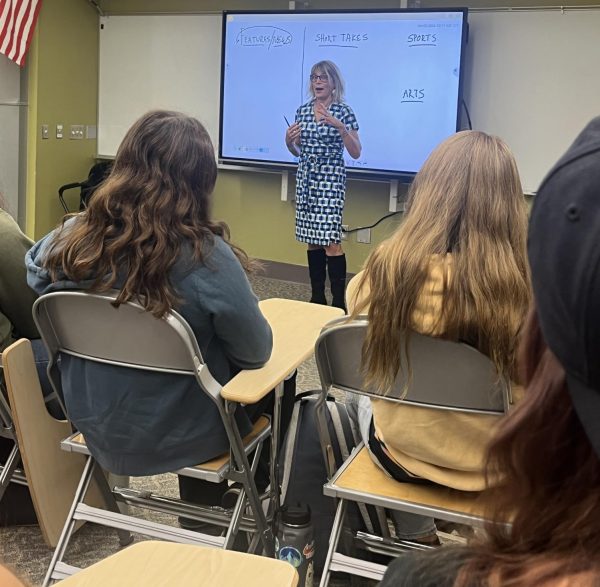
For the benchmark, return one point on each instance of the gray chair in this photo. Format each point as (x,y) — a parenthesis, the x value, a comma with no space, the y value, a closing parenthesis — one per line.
(443,375)
(89,326)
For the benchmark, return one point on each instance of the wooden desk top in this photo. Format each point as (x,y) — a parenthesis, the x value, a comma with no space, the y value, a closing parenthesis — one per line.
(153,564)
(296,327)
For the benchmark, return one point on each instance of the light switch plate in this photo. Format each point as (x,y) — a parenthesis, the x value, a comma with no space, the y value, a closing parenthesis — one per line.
(45,131)
(76,131)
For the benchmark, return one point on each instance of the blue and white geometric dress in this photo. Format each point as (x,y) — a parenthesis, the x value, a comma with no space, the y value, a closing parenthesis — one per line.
(321,177)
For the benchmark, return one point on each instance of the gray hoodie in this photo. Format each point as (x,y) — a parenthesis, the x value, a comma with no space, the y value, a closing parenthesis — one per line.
(143,423)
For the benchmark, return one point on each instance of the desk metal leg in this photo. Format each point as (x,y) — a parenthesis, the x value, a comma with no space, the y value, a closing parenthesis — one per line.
(243,473)
(275,433)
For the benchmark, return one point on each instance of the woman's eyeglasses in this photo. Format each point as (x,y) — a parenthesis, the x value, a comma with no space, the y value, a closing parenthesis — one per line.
(319,78)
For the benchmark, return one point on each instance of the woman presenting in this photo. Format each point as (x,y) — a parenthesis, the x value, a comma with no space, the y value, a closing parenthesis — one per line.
(322,128)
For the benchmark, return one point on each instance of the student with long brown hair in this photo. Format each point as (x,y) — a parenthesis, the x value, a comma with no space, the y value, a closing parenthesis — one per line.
(148,233)
(456,269)
(547,452)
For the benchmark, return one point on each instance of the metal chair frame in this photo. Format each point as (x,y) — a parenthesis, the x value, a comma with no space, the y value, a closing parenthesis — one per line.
(65,321)
(436,374)
(10,471)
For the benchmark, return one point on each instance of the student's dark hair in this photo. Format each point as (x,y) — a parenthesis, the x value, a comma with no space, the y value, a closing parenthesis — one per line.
(155,201)
(549,486)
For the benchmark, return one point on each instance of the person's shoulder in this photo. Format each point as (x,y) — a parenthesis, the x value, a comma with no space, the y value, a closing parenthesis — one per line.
(218,260)
(435,568)
(344,107)
(222,249)
(10,231)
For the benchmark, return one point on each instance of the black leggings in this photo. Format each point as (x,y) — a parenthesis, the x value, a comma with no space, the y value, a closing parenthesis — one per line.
(207,493)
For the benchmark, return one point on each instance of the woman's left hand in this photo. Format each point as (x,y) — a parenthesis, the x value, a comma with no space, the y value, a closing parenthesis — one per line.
(323,115)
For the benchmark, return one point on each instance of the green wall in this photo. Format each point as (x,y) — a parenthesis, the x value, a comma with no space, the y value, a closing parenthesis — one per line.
(63,89)
(264,225)
(63,74)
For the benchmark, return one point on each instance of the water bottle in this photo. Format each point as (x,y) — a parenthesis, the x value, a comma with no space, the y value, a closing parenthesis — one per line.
(295,541)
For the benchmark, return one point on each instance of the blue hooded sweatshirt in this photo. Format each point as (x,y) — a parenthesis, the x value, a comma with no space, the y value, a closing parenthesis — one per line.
(144,423)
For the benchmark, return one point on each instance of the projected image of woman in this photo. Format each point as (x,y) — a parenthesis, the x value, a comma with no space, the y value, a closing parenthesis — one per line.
(323,127)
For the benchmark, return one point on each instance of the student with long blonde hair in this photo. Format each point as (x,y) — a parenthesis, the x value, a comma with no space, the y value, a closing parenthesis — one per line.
(546,453)
(456,269)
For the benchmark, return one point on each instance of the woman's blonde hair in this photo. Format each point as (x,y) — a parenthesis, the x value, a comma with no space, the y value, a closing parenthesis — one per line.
(335,77)
(466,200)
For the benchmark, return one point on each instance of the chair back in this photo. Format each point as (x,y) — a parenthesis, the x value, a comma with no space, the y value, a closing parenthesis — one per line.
(438,374)
(91,327)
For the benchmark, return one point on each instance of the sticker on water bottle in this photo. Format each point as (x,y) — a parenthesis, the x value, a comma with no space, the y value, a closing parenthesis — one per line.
(309,576)
(309,550)
(290,555)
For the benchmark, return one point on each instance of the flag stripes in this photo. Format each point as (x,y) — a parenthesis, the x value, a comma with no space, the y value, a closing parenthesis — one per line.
(17,22)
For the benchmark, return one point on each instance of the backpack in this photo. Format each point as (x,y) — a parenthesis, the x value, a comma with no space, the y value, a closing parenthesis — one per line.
(16,507)
(304,470)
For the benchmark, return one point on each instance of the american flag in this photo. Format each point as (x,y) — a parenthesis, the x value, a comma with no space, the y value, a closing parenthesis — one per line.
(17,21)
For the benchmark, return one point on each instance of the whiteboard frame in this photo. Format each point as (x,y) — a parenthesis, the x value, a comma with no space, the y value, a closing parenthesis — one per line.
(362,173)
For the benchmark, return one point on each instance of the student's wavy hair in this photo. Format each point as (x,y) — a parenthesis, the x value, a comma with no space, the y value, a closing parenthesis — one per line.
(155,202)
(550,486)
(335,77)
(466,200)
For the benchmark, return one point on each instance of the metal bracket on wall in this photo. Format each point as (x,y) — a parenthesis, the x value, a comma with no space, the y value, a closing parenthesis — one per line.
(285,184)
(393,195)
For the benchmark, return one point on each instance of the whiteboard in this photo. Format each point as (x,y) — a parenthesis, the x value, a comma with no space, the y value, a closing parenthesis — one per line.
(403,111)
(149,62)
(10,75)
(533,78)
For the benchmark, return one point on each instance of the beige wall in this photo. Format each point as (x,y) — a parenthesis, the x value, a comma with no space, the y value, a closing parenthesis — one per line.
(63,88)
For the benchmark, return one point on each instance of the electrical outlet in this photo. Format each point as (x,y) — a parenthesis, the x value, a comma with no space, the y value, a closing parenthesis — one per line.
(76,131)
(59,131)
(345,228)
(364,236)
(45,131)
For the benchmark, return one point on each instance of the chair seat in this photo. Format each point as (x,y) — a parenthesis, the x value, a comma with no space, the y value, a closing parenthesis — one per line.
(360,479)
(76,442)
(154,563)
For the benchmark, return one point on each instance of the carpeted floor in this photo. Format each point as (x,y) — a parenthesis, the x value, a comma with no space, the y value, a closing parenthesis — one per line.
(23,547)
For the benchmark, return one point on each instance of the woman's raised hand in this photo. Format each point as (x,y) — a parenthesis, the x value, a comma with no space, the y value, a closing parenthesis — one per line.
(323,115)
(292,134)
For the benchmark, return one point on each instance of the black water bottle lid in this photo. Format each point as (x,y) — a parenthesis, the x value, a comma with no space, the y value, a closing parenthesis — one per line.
(295,515)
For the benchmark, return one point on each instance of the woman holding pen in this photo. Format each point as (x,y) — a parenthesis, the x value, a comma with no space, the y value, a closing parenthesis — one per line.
(323,127)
